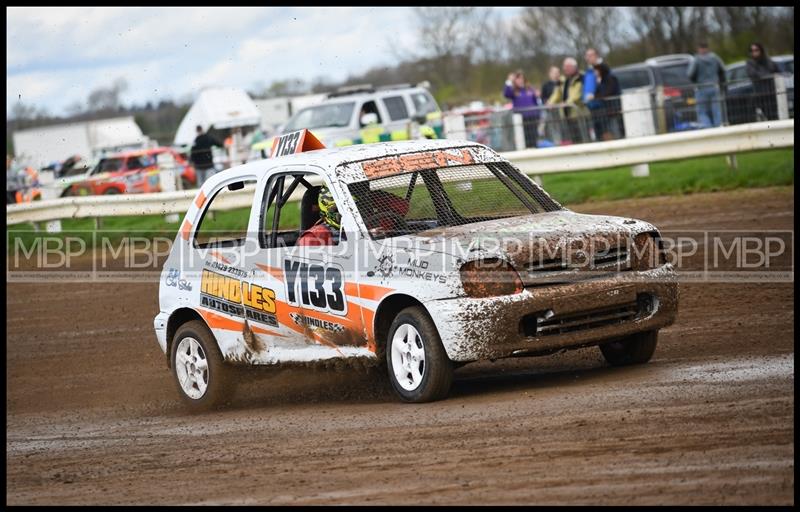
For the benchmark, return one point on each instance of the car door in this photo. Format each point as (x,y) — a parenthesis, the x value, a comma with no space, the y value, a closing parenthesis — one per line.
(312,284)
(397,113)
(211,264)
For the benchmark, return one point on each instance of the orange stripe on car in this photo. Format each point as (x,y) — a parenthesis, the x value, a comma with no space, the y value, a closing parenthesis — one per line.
(277,273)
(185,229)
(201,199)
(259,330)
(372,292)
(216,321)
(220,257)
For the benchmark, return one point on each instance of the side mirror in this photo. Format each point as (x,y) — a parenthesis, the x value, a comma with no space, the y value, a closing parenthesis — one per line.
(370,118)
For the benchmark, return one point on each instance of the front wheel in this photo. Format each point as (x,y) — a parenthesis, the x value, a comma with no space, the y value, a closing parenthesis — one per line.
(419,368)
(203,379)
(634,349)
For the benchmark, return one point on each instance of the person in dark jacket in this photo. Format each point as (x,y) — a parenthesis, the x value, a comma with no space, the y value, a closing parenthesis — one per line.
(525,101)
(761,70)
(201,155)
(607,93)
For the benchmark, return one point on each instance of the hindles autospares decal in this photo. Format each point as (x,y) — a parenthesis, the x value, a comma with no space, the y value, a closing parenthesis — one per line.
(238,298)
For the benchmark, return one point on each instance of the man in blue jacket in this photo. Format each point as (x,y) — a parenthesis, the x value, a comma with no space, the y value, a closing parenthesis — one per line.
(590,89)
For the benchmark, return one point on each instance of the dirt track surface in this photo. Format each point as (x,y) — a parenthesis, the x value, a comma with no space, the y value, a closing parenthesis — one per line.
(93,416)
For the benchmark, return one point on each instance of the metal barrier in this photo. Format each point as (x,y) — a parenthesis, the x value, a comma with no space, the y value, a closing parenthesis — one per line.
(638,112)
(578,157)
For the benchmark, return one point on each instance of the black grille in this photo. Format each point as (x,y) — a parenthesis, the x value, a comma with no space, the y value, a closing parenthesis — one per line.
(540,324)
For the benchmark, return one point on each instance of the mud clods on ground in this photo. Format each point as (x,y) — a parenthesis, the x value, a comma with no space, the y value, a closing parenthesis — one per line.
(93,416)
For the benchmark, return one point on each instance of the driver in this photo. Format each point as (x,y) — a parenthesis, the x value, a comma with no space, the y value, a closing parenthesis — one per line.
(329,222)
(386,212)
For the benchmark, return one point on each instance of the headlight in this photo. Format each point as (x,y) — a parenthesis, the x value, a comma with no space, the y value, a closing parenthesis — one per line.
(489,278)
(648,251)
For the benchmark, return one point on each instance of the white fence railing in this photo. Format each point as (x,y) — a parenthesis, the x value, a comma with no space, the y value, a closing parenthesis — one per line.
(580,157)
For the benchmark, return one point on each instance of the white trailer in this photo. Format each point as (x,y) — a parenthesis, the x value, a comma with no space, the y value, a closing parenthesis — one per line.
(39,147)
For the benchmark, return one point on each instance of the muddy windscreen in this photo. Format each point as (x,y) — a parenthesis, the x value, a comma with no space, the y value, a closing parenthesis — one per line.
(447,196)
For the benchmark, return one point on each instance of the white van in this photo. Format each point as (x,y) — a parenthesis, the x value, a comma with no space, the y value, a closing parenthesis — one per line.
(364,113)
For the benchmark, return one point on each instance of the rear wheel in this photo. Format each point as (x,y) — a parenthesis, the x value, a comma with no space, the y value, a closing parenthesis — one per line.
(111,191)
(634,349)
(204,380)
(419,368)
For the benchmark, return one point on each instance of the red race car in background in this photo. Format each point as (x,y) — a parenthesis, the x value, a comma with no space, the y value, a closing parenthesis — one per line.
(132,172)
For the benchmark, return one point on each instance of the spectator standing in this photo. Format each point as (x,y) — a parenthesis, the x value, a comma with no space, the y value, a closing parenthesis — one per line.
(525,101)
(590,89)
(550,116)
(607,96)
(202,157)
(761,70)
(708,72)
(569,95)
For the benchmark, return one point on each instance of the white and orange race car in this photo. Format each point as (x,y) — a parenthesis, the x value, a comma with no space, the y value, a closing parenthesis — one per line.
(437,253)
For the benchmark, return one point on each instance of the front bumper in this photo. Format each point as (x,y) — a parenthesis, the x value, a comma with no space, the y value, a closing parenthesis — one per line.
(160,324)
(545,319)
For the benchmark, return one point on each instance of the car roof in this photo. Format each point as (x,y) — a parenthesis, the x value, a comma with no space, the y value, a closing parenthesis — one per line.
(330,160)
(138,152)
(360,95)
(665,60)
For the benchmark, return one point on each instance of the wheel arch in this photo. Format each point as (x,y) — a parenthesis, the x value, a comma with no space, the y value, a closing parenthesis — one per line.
(385,314)
(179,317)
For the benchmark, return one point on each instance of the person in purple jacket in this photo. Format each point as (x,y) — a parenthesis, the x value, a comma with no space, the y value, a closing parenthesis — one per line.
(524,99)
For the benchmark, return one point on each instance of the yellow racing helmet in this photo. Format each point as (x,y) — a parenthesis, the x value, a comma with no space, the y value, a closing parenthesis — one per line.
(327,208)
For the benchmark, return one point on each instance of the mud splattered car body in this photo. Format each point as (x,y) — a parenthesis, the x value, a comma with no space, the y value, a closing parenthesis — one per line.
(447,228)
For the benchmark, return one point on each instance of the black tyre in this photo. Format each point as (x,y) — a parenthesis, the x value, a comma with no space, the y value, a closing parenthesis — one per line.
(419,368)
(203,379)
(111,191)
(634,349)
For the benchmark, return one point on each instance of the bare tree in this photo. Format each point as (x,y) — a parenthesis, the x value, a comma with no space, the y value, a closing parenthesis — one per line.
(107,98)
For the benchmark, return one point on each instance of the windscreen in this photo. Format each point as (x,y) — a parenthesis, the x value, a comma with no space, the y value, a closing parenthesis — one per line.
(448,196)
(334,115)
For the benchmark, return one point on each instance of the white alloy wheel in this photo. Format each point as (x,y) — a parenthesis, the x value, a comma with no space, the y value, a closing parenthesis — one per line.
(191,366)
(408,357)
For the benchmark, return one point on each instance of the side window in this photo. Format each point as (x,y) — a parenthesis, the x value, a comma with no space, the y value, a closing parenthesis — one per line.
(291,209)
(135,162)
(633,78)
(110,165)
(369,107)
(423,103)
(396,107)
(223,222)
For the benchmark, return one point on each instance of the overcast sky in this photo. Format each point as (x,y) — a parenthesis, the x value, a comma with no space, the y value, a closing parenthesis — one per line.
(57,55)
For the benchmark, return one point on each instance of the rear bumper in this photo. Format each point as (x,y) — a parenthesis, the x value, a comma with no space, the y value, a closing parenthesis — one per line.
(549,318)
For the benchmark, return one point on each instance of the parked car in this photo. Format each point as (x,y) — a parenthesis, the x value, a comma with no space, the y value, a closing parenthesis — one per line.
(740,94)
(445,254)
(672,91)
(22,184)
(364,113)
(130,172)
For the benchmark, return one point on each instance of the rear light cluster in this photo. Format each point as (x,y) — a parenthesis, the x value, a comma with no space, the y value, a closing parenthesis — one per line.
(672,92)
(489,278)
(648,251)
